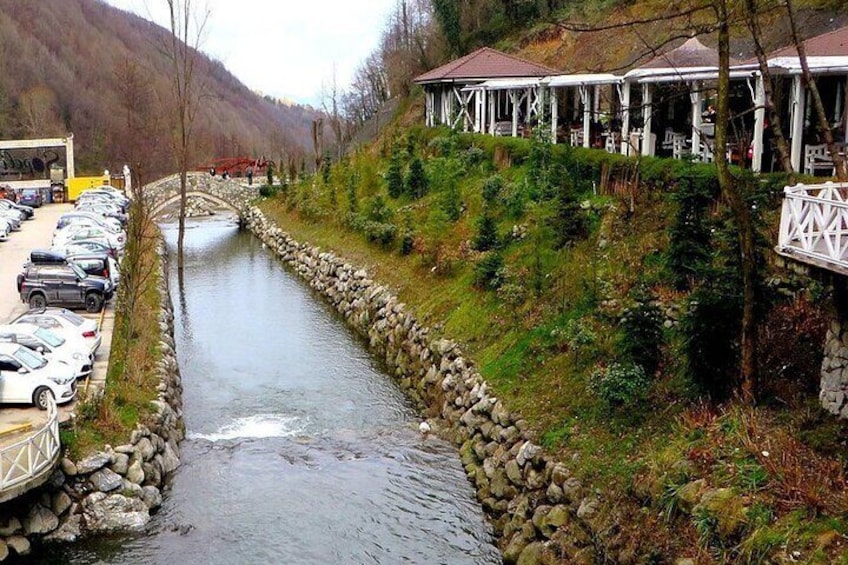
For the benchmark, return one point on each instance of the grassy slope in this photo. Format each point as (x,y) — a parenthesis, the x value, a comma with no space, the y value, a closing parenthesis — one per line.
(537,349)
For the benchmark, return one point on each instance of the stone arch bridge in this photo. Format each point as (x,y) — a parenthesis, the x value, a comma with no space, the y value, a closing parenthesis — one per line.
(229,193)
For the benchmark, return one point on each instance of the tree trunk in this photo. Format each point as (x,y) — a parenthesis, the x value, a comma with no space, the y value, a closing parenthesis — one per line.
(753,23)
(732,190)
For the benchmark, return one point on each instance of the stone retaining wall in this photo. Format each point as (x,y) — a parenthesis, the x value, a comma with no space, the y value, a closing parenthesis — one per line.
(834,372)
(117,488)
(540,512)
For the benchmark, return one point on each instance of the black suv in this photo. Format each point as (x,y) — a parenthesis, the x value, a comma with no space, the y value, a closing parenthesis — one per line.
(63,285)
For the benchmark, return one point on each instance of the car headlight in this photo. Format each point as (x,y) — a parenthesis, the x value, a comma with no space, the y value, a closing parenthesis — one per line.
(79,356)
(57,380)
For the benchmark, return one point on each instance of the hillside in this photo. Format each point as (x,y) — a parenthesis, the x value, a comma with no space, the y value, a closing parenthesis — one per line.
(85,67)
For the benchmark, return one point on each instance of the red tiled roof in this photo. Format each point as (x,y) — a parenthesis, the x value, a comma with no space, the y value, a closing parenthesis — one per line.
(692,53)
(486,63)
(831,44)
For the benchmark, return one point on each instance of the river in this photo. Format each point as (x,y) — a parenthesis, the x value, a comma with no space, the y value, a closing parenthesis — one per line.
(300,448)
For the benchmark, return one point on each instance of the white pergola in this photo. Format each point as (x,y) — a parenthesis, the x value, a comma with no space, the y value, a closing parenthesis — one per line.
(818,65)
(518,92)
(587,88)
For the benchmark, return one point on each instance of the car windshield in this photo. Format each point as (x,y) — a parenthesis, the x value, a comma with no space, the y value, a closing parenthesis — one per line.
(72,317)
(29,358)
(49,337)
(79,272)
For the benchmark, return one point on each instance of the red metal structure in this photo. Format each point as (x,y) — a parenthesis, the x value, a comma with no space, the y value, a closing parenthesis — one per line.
(236,166)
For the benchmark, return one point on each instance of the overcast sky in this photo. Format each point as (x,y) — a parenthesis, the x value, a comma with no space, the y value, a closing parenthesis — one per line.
(285,48)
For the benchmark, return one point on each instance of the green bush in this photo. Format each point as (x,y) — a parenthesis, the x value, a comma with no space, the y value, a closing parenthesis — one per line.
(487,232)
(641,336)
(711,331)
(489,271)
(416,179)
(269,174)
(451,202)
(620,384)
(380,232)
(394,175)
(492,188)
(569,221)
(474,155)
(267,191)
(690,249)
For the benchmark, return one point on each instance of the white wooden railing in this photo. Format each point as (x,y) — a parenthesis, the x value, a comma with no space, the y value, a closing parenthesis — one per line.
(28,458)
(814,225)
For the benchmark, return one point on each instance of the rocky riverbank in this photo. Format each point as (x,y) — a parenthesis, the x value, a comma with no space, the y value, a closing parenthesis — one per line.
(115,489)
(540,512)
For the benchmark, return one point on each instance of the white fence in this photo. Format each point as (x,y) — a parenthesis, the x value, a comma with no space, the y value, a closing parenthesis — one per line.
(814,225)
(29,458)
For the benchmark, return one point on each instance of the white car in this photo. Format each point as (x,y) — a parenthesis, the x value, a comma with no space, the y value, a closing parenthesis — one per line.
(74,352)
(86,218)
(64,323)
(4,230)
(74,232)
(12,218)
(26,377)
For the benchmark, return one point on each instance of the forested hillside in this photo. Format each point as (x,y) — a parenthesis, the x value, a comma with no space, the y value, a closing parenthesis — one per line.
(85,67)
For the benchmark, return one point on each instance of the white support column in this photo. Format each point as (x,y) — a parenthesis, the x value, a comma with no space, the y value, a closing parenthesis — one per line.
(554,114)
(575,112)
(69,156)
(477,112)
(759,124)
(493,100)
(695,97)
(647,112)
(596,103)
(798,106)
(483,106)
(845,109)
(513,95)
(529,94)
(625,119)
(585,99)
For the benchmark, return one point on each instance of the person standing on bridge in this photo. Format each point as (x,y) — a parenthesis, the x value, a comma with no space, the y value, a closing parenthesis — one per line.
(249,173)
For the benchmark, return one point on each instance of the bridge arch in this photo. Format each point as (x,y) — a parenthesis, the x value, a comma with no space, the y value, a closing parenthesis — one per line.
(227,193)
(160,206)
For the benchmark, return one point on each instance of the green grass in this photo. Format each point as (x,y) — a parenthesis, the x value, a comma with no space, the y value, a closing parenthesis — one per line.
(555,319)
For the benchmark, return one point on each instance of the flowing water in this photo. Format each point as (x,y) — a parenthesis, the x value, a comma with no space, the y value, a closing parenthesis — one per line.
(300,448)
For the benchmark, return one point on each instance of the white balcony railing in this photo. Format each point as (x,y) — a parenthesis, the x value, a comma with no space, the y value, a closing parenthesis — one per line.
(30,457)
(814,225)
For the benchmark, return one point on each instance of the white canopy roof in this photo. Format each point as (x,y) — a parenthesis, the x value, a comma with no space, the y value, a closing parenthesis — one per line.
(792,65)
(508,83)
(582,79)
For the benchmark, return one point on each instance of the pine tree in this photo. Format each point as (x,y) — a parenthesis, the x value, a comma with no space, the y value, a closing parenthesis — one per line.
(487,232)
(394,176)
(416,179)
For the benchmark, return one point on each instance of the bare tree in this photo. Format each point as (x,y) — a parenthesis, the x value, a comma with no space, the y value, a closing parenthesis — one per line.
(186,27)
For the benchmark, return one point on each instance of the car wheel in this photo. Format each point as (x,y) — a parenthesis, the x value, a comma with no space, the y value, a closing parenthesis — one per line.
(37,301)
(41,397)
(93,302)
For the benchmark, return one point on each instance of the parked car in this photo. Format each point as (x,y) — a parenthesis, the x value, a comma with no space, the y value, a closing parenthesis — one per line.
(8,193)
(104,209)
(103,197)
(31,197)
(87,246)
(51,345)
(5,228)
(100,264)
(86,218)
(76,232)
(26,377)
(63,285)
(65,323)
(9,205)
(12,218)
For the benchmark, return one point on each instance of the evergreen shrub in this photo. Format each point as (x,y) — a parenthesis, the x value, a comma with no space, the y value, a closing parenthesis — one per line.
(489,271)
(620,385)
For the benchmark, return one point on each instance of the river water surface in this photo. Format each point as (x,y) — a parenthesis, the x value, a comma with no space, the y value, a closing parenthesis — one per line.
(300,448)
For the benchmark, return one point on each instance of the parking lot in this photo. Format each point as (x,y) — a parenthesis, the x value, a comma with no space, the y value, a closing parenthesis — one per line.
(17,422)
